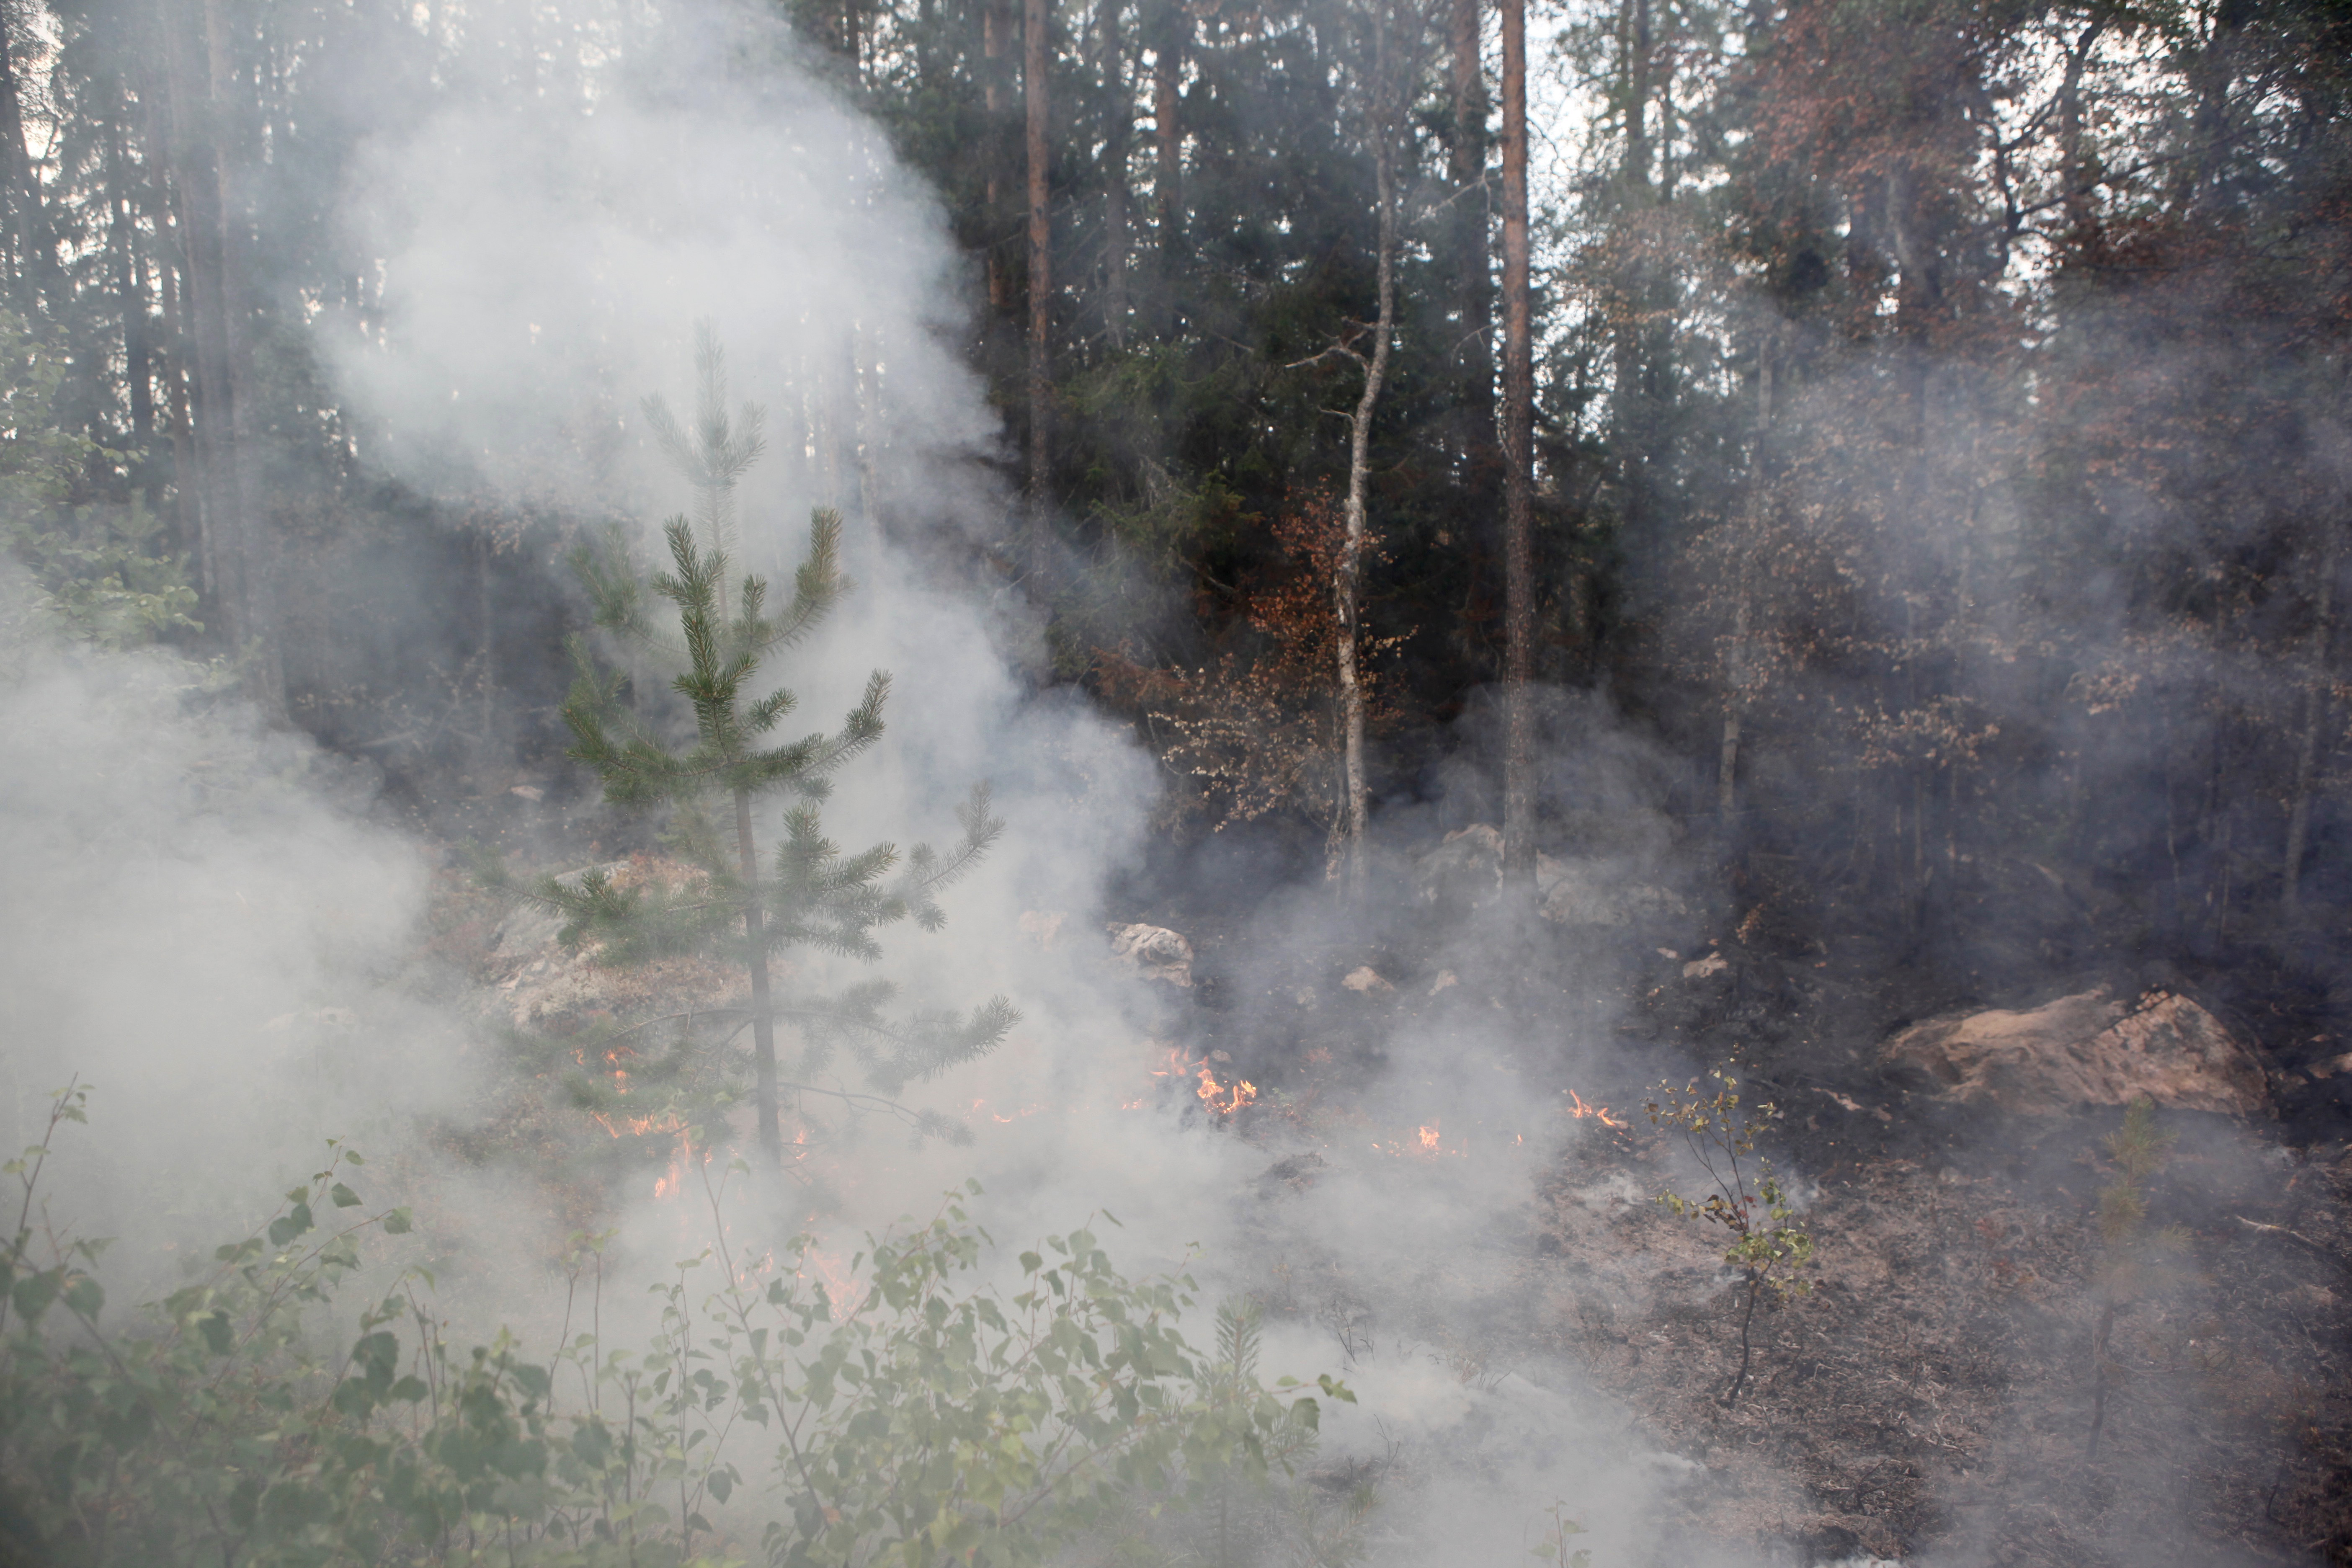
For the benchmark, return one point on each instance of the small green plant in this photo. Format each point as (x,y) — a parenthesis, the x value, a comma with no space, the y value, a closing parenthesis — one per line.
(2136,1259)
(1559,1529)
(1769,1246)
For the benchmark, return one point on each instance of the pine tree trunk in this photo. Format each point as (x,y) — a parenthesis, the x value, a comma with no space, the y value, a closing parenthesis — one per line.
(187,509)
(1518,477)
(1475,290)
(995,90)
(1735,671)
(2315,716)
(1168,134)
(755,953)
(130,286)
(1117,143)
(234,541)
(1347,590)
(32,254)
(1631,414)
(1036,54)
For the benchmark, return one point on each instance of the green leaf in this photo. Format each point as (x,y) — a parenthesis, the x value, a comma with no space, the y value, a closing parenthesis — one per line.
(85,1296)
(289,1226)
(33,1294)
(396,1223)
(344,1198)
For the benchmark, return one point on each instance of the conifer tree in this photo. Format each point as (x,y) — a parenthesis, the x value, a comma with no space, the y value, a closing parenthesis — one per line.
(810,894)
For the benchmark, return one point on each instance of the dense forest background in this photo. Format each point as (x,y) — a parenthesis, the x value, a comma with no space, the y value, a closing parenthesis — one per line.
(1942,427)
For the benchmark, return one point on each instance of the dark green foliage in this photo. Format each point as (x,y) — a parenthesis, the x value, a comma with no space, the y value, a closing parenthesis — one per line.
(810,893)
(924,1418)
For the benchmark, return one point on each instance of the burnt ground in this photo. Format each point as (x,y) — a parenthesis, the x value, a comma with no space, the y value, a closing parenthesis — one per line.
(1931,1393)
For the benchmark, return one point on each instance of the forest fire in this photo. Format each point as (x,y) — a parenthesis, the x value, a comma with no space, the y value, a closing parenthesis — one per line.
(1225,1098)
(1581,1111)
(638,1126)
(1427,1142)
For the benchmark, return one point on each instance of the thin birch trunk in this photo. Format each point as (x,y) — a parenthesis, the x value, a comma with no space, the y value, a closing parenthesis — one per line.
(1346,586)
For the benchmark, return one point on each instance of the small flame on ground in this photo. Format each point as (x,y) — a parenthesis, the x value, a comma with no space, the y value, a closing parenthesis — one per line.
(1225,1098)
(1580,1111)
(1426,1143)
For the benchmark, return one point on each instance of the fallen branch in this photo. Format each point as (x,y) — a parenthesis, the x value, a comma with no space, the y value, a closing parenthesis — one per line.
(2324,1250)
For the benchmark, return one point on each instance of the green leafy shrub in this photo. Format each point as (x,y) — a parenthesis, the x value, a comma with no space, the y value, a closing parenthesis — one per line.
(1769,1246)
(935,1417)
(103,571)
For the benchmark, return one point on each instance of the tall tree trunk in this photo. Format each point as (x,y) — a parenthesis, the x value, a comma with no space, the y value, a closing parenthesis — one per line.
(1475,294)
(234,539)
(187,477)
(130,290)
(1168,133)
(1118,139)
(487,648)
(2077,154)
(1734,662)
(1631,415)
(1346,585)
(31,248)
(1466,170)
(865,389)
(995,94)
(1518,477)
(1036,55)
(755,953)
(2314,718)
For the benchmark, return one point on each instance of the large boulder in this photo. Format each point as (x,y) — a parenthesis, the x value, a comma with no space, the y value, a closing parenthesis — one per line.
(2085,1051)
(1155,953)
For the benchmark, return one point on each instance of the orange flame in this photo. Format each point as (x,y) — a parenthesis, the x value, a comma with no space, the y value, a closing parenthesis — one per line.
(1426,1143)
(1225,1098)
(1580,1111)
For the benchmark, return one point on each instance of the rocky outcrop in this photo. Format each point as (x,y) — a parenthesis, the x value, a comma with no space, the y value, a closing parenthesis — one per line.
(1154,952)
(2084,1050)
(1465,871)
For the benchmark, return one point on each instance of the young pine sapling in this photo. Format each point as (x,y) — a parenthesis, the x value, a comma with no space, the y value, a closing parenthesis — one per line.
(2135,1258)
(810,895)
